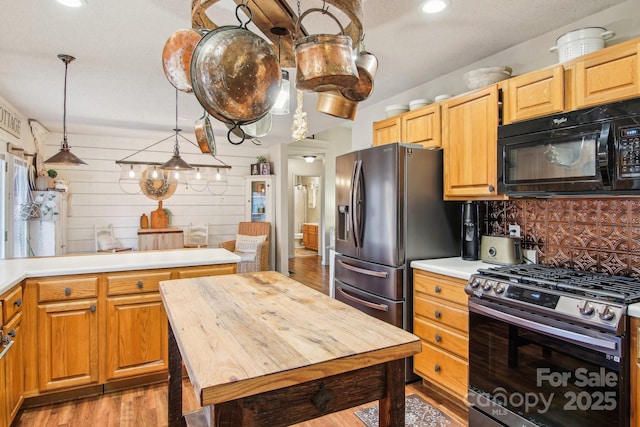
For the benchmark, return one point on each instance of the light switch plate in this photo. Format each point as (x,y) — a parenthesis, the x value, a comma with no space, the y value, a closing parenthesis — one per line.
(514,230)
(529,256)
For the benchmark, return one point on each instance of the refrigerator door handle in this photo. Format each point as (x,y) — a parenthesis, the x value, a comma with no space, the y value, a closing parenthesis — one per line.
(379,307)
(381,274)
(356,208)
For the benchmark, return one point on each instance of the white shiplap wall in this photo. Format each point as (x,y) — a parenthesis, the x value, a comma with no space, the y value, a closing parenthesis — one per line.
(97,199)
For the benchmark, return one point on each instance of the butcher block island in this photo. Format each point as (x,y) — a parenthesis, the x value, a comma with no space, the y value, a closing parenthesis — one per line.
(261,349)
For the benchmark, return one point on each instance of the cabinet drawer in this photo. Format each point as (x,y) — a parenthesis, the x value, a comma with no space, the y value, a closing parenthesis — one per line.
(67,288)
(441,314)
(440,287)
(442,338)
(206,270)
(135,281)
(443,369)
(11,304)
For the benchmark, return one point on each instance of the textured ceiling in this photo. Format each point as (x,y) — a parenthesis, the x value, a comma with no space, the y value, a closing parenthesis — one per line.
(117,83)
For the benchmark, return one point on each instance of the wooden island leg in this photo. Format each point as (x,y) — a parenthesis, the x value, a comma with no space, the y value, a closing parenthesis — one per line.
(391,406)
(175,383)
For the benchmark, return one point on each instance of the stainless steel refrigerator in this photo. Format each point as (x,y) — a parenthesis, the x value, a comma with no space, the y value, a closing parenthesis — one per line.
(390,212)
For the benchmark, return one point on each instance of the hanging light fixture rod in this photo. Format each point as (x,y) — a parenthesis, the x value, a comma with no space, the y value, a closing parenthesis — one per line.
(132,162)
(65,157)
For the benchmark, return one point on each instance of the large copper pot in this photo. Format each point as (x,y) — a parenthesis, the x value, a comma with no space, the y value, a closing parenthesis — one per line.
(334,104)
(235,75)
(324,61)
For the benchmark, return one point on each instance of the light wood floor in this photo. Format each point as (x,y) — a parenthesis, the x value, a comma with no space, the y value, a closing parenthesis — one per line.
(147,406)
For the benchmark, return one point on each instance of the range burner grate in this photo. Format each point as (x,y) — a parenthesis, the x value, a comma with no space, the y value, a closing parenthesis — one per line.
(597,285)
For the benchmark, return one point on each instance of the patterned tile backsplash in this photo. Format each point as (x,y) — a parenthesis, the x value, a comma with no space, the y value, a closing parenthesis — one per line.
(586,234)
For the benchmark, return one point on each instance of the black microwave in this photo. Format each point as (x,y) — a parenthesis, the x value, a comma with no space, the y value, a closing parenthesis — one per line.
(593,151)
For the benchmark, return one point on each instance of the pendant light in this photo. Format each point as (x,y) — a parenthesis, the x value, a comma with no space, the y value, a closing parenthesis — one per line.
(281,106)
(176,163)
(65,157)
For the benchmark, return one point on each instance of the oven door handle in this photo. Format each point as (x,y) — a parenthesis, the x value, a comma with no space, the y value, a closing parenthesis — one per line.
(379,307)
(546,329)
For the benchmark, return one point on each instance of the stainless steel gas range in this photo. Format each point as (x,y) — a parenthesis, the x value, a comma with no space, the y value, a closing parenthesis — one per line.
(548,346)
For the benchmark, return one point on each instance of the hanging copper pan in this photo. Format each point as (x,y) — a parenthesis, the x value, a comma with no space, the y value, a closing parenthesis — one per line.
(367,64)
(176,58)
(204,135)
(235,75)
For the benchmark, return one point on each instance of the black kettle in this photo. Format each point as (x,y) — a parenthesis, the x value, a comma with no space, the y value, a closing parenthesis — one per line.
(470,244)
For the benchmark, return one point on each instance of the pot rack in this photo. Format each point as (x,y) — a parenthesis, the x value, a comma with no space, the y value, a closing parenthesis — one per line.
(268,14)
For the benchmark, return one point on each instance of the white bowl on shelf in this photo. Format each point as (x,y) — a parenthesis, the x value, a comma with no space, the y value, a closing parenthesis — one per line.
(395,109)
(442,97)
(481,77)
(417,103)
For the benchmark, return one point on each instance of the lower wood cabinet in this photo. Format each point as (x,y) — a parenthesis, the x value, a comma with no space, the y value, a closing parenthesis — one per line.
(441,320)
(14,367)
(67,344)
(310,236)
(86,331)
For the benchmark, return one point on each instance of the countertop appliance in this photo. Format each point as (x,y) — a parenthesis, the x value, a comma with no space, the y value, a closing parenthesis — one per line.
(390,212)
(470,231)
(501,250)
(549,346)
(585,152)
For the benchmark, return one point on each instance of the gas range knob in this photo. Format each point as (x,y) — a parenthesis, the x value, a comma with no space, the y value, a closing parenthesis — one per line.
(475,283)
(606,313)
(585,308)
(487,286)
(498,288)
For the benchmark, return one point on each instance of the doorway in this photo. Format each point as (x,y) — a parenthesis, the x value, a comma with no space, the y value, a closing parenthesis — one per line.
(306,214)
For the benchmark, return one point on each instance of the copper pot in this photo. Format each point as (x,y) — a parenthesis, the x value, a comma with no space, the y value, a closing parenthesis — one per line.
(334,104)
(367,65)
(176,58)
(324,61)
(235,75)
(204,135)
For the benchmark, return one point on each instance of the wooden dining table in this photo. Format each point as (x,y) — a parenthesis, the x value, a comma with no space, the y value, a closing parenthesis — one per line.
(262,349)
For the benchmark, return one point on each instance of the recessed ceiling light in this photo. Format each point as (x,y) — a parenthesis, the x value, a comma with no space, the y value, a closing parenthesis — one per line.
(72,3)
(435,6)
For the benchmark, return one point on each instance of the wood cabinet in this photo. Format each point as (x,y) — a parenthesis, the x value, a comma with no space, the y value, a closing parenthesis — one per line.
(441,320)
(136,324)
(534,94)
(160,238)
(205,270)
(12,351)
(67,332)
(470,132)
(387,131)
(419,126)
(635,371)
(608,75)
(310,236)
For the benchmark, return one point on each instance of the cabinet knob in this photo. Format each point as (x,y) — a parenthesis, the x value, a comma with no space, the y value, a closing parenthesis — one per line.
(437,314)
(140,284)
(18,302)
(438,289)
(12,333)
(67,291)
(436,368)
(491,188)
(438,338)
(92,308)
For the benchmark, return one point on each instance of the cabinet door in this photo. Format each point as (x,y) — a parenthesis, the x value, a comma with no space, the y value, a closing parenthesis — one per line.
(136,335)
(68,344)
(470,144)
(259,196)
(387,131)
(14,369)
(206,270)
(534,94)
(3,388)
(422,126)
(608,75)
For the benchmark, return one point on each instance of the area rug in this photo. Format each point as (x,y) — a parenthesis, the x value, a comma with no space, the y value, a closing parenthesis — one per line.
(418,413)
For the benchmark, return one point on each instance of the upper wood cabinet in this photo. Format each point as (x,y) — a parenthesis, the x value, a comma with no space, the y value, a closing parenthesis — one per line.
(419,126)
(534,94)
(608,75)
(387,131)
(470,131)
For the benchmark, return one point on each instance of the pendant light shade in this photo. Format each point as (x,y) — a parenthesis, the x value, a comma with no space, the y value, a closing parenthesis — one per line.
(281,106)
(65,157)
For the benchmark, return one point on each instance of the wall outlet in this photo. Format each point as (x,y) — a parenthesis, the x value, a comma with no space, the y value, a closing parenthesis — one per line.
(529,256)
(514,230)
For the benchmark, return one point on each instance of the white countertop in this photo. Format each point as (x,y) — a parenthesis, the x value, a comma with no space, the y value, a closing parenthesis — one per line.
(453,267)
(461,269)
(12,271)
